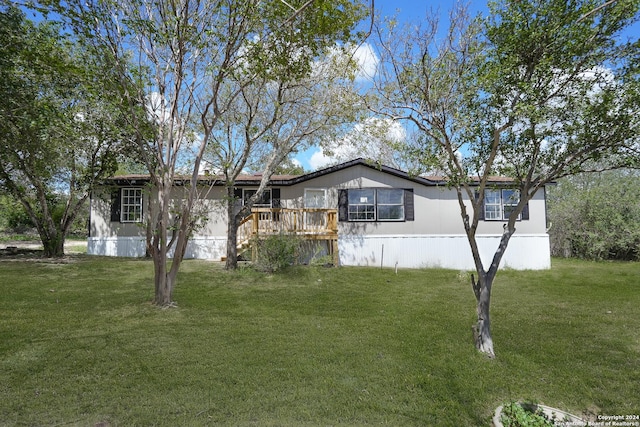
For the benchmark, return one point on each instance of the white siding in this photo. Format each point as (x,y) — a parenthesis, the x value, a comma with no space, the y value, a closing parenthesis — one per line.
(197,247)
(116,246)
(525,252)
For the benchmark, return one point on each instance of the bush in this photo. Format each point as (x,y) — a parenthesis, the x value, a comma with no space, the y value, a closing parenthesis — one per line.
(596,216)
(15,219)
(275,252)
(13,216)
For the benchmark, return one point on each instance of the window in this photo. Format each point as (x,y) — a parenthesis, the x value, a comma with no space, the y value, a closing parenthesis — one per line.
(263,202)
(375,204)
(131,205)
(390,204)
(362,205)
(498,204)
(510,200)
(492,205)
(315,198)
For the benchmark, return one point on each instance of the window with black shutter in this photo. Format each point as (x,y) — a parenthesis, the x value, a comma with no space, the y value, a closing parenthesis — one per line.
(375,204)
(499,203)
(126,204)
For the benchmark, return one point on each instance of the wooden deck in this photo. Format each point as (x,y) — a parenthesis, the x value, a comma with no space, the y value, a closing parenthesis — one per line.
(306,223)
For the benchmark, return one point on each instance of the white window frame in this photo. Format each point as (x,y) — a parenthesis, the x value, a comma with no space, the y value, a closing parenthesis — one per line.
(324,197)
(400,205)
(356,210)
(505,200)
(131,211)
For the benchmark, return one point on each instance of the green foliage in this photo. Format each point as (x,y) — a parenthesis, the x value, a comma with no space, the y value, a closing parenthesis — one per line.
(275,252)
(515,414)
(308,34)
(556,73)
(533,91)
(60,123)
(13,216)
(288,167)
(596,216)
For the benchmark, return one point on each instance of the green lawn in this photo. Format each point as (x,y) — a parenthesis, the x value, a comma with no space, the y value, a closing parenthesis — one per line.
(80,344)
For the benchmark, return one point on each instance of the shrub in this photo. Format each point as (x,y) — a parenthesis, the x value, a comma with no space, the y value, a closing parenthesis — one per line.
(275,252)
(517,415)
(596,216)
(13,216)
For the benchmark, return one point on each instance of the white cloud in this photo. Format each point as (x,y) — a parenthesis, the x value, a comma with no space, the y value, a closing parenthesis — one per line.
(157,109)
(319,160)
(367,61)
(373,139)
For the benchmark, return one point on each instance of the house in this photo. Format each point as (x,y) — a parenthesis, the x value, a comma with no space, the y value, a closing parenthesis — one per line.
(362,213)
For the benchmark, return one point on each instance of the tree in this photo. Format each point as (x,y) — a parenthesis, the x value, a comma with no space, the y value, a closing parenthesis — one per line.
(596,216)
(534,92)
(176,57)
(59,129)
(378,140)
(289,167)
(273,118)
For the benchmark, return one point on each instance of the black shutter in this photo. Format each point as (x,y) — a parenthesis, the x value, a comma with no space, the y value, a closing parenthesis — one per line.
(408,205)
(525,212)
(481,217)
(237,193)
(343,205)
(116,204)
(275,198)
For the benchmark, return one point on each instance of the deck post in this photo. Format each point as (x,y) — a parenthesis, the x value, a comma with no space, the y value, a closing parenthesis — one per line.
(331,221)
(334,251)
(256,219)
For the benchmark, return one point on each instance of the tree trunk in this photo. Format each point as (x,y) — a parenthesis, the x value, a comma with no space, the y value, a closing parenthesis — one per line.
(482,329)
(158,248)
(482,291)
(163,286)
(232,236)
(53,245)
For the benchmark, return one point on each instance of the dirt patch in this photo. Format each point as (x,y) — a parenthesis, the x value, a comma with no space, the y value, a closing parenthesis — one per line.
(33,251)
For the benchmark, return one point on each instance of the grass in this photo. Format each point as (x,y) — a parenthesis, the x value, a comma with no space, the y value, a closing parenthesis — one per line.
(9,237)
(80,345)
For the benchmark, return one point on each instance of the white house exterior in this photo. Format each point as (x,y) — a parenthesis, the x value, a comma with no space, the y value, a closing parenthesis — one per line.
(385,217)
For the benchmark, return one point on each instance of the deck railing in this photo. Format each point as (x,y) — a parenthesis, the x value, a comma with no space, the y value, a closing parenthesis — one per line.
(311,223)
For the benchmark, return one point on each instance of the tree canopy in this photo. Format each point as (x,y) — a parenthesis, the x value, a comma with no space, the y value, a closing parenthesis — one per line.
(59,126)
